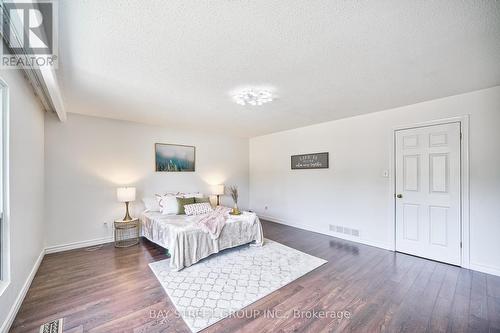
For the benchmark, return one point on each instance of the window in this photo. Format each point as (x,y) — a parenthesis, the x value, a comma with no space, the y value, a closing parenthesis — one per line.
(4,181)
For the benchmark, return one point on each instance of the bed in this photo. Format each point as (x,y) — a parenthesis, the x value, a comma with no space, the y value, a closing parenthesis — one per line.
(188,243)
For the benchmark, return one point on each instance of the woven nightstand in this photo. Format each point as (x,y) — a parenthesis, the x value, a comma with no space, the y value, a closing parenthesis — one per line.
(126,233)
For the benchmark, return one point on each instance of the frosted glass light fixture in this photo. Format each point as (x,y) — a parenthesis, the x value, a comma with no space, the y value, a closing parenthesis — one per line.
(253,96)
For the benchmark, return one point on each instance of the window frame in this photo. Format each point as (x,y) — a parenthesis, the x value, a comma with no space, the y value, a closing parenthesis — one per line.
(5,253)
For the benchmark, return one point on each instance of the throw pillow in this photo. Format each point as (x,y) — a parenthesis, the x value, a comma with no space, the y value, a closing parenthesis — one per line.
(202,200)
(198,208)
(151,204)
(181,202)
(168,204)
(191,195)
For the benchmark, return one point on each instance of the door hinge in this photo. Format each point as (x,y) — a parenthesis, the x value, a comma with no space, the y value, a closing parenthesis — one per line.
(460,244)
(460,135)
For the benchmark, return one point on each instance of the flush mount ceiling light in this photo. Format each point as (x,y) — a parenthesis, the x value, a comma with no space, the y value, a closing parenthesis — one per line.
(253,96)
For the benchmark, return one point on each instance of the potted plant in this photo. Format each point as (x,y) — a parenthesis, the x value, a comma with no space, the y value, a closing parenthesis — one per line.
(233,190)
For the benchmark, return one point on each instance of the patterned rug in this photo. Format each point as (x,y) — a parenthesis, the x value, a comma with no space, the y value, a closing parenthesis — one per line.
(225,283)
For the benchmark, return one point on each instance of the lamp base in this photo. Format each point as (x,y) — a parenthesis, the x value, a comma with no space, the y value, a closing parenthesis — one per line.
(127,215)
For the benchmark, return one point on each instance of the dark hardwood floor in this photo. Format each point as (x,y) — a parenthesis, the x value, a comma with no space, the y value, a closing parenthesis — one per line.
(113,290)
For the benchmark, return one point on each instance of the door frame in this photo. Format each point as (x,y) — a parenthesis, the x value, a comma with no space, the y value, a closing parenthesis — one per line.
(464,181)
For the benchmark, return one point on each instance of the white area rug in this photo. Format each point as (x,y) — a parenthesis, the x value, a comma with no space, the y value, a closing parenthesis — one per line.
(227,282)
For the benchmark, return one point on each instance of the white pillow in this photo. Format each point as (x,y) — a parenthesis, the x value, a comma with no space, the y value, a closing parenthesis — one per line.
(151,204)
(168,204)
(192,195)
(198,208)
(177,194)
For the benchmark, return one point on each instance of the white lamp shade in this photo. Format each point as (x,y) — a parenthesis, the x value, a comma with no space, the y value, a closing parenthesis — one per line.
(125,194)
(218,189)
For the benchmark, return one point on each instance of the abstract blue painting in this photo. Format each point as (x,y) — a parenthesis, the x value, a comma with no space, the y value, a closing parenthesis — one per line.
(174,158)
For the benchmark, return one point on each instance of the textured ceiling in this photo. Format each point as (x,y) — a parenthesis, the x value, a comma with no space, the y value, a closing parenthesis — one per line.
(174,62)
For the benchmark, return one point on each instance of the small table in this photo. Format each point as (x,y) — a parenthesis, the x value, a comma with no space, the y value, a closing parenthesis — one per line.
(126,233)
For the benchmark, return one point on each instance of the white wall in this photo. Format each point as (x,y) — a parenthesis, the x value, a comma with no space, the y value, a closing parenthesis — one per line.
(86,158)
(26,186)
(353,193)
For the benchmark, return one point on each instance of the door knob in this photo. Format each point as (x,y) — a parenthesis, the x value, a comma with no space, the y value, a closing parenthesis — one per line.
(399,196)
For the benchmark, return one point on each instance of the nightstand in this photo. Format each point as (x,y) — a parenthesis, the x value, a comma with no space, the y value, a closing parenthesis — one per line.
(126,233)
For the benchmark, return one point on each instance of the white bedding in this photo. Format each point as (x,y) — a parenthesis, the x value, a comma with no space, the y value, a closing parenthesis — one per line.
(188,243)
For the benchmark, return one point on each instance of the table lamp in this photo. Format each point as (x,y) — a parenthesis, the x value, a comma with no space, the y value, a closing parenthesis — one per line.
(126,195)
(218,191)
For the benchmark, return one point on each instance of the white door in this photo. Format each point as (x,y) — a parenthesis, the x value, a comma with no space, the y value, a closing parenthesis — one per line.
(428,192)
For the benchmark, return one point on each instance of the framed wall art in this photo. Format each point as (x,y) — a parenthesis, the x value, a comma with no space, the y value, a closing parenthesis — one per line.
(174,158)
(310,161)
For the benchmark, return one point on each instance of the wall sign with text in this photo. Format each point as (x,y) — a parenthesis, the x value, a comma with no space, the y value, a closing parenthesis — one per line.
(310,161)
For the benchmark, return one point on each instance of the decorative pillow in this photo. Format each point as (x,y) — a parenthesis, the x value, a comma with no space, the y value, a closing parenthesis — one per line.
(168,204)
(191,195)
(175,194)
(181,202)
(151,204)
(198,208)
(201,200)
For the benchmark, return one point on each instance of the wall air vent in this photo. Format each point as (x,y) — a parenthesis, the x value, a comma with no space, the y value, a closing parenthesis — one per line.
(344,230)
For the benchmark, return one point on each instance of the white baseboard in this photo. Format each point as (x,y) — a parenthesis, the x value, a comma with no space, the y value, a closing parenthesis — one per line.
(70,246)
(485,269)
(77,245)
(330,233)
(473,266)
(22,293)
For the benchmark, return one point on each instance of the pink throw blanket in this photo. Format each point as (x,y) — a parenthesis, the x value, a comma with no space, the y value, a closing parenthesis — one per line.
(214,222)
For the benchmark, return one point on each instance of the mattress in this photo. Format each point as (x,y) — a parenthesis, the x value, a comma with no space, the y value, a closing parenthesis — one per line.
(188,243)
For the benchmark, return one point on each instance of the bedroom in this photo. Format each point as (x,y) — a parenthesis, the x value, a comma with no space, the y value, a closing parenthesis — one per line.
(360,138)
